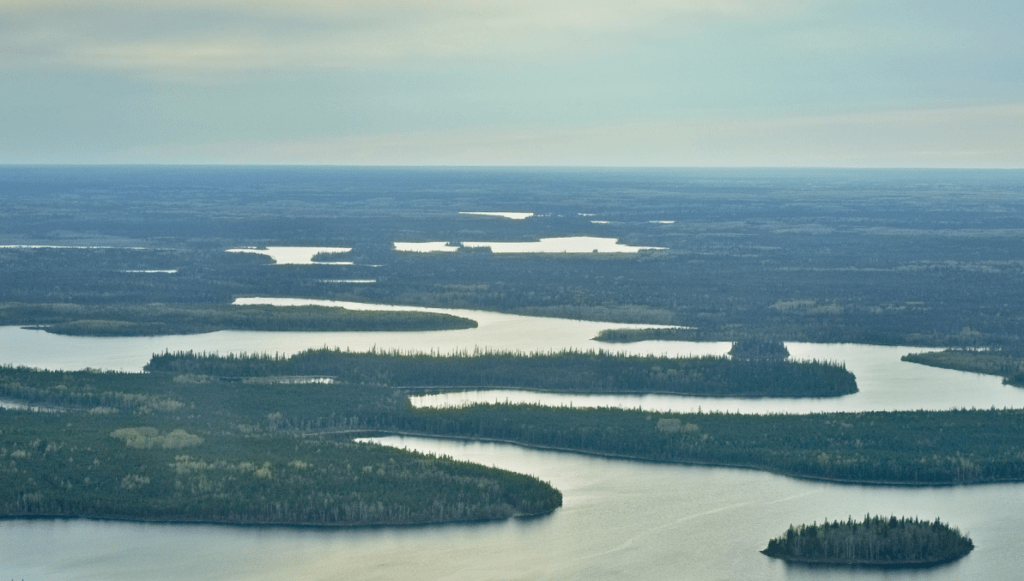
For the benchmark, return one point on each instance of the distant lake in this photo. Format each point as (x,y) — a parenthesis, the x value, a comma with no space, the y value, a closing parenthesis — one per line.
(568,244)
(295,254)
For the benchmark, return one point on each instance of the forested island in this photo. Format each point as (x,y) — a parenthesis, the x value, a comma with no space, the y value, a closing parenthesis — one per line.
(212,443)
(161,319)
(1005,361)
(875,541)
(159,448)
(565,372)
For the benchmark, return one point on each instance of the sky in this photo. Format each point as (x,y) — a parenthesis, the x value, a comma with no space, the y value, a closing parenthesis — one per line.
(678,83)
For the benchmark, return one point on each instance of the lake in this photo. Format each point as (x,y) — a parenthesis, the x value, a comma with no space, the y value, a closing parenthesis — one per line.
(569,244)
(621,519)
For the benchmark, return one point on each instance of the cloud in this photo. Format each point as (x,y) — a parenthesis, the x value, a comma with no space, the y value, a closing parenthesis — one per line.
(187,36)
(966,137)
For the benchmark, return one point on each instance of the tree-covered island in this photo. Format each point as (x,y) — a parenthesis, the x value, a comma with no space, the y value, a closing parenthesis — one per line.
(875,541)
(563,372)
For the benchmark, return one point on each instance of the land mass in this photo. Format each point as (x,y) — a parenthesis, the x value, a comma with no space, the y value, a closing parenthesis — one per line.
(875,541)
(1006,362)
(563,372)
(148,447)
(160,319)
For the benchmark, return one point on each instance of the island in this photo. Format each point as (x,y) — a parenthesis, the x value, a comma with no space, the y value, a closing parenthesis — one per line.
(188,319)
(875,541)
(561,372)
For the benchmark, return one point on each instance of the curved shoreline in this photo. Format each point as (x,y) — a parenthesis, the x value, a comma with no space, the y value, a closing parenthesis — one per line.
(899,484)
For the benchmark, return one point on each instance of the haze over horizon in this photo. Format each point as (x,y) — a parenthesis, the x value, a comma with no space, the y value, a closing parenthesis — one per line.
(862,83)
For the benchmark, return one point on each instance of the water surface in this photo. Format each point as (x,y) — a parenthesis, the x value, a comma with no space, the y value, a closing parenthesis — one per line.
(620,520)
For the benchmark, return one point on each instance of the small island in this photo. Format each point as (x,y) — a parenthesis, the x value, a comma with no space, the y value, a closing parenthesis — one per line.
(876,541)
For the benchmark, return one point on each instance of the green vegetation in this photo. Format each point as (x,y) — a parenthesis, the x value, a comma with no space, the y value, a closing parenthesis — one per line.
(170,448)
(876,541)
(759,350)
(928,258)
(565,372)
(159,319)
(905,448)
(1007,362)
(241,397)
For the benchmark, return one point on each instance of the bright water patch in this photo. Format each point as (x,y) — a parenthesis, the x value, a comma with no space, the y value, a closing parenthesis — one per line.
(60,247)
(570,244)
(352,281)
(151,271)
(294,254)
(573,244)
(509,215)
(425,247)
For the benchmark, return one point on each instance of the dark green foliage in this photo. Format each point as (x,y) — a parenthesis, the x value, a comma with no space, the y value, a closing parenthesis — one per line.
(1006,361)
(759,350)
(877,541)
(178,448)
(881,257)
(909,448)
(158,319)
(567,372)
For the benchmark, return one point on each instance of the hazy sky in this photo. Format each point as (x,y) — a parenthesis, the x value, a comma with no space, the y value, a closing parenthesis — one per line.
(929,83)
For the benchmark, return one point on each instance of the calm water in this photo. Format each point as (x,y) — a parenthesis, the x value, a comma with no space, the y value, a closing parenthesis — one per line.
(570,244)
(620,519)
(295,254)
(885,382)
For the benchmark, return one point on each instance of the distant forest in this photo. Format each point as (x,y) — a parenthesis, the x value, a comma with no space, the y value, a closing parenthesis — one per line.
(920,258)
(883,257)
(160,319)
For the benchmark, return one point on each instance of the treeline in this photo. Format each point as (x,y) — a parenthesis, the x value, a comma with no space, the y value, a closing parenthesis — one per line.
(875,541)
(759,350)
(889,263)
(906,448)
(160,319)
(1006,361)
(566,372)
(193,447)
(155,447)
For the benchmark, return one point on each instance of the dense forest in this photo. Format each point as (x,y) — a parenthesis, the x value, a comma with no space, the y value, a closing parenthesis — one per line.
(1007,362)
(906,448)
(875,541)
(565,372)
(144,447)
(159,319)
(897,258)
(915,448)
(927,258)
